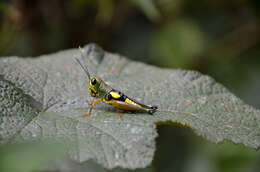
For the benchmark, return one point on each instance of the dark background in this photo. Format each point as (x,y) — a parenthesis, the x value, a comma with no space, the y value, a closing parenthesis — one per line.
(219,38)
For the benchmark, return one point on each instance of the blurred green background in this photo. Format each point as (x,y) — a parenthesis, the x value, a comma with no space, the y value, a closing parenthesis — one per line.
(219,38)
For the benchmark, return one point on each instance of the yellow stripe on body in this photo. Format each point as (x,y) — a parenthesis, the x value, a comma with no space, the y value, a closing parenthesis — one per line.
(123,105)
(115,95)
(127,100)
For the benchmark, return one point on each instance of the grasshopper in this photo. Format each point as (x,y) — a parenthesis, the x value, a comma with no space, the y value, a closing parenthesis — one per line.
(105,93)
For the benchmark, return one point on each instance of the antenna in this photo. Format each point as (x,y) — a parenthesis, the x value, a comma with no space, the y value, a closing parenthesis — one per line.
(82,66)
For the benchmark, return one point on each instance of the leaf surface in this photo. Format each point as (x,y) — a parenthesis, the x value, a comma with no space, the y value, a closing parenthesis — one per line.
(58,85)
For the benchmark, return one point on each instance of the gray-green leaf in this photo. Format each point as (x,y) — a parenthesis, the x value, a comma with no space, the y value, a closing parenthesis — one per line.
(60,87)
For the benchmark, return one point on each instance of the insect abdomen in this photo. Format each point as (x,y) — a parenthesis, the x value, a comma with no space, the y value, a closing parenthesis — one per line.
(121,101)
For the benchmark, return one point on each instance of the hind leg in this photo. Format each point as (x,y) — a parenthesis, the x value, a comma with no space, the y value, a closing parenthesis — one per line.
(118,113)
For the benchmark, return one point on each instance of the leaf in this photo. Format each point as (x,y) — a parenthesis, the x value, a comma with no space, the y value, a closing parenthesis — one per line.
(17,110)
(183,97)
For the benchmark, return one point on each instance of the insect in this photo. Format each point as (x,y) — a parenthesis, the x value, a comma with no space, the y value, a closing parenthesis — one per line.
(105,93)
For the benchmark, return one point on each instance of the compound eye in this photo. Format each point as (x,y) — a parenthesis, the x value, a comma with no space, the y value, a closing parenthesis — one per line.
(93,81)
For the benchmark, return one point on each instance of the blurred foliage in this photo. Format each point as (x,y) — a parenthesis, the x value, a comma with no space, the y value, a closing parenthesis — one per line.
(29,156)
(189,153)
(219,38)
(174,39)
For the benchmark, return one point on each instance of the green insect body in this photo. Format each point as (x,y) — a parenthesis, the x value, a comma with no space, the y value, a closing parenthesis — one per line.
(103,92)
